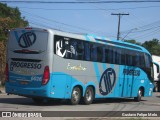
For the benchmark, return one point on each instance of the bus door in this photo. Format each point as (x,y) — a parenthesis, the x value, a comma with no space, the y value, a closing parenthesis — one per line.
(127,82)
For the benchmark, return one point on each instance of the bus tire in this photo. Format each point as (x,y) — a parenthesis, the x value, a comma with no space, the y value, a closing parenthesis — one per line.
(76,96)
(139,96)
(88,96)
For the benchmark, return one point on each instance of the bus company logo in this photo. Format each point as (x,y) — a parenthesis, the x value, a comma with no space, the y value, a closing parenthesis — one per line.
(107,81)
(27,39)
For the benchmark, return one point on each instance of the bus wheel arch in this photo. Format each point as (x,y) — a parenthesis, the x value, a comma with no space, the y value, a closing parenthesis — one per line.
(89,95)
(76,94)
(140,93)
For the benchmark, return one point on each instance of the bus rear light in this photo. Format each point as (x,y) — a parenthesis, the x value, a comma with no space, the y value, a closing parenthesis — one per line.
(46,75)
(7,73)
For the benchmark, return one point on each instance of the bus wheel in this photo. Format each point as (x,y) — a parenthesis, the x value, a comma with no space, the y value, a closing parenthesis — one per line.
(138,98)
(88,96)
(76,95)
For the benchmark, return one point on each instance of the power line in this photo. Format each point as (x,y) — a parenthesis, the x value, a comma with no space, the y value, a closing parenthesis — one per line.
(153,24)
(139,34)
(57,21)
(144,31)
(153,32)
(82,2)
(85,9)
(61,23)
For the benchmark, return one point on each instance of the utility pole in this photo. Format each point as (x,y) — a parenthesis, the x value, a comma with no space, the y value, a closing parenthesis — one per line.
(119,22)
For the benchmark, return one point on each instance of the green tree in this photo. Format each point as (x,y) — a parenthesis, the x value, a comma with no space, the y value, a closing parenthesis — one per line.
(153,46)
(10,18)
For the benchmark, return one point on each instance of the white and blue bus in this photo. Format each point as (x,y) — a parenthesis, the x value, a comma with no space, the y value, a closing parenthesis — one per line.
(51,64)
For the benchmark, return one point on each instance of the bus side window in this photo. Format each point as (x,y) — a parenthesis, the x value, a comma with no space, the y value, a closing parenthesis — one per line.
(103,54)
(129,58)
(72,49)
(110,55)
(133,54)
(94,53)
(137,59)
(87,51)
(114,55)
(123,56)
(118,56)
(100,53)
(142,60)
(107,54)
(80,50)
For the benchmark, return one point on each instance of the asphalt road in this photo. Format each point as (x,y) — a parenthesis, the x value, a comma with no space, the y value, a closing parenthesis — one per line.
(15,102)
(18,103)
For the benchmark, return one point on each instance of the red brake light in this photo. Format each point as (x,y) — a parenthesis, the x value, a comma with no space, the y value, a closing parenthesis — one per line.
(46,75)
(7,73)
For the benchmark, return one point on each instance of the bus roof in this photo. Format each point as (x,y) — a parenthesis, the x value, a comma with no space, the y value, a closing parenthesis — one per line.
(119,43)
(90,37)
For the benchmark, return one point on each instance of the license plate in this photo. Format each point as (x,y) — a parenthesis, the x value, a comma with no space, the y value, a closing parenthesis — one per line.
(24,82)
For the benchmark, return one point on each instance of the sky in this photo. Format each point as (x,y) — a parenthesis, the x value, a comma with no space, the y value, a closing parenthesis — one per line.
(142,24)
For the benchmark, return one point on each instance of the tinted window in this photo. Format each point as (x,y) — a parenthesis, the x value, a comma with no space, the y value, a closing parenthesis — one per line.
(123,57)
(82,50)
(128,58)
(87,51)
(110,55)
(104,54)
(99,53)
(148,61)
(93,52)
(118,56)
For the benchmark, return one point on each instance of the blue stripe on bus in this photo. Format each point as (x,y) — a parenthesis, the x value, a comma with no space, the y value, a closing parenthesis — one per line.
(16,35)
(94,36)
(87,38)
(104,66)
